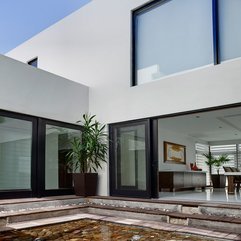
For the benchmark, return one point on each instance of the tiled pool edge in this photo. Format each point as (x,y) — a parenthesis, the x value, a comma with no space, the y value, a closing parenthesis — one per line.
(128,221)
(181,216)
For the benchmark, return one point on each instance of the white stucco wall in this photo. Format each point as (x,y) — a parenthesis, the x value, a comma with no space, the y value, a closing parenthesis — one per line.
(92,46)
(28,90)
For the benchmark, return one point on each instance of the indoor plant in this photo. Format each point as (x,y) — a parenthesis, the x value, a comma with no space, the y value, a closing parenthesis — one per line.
(220,161)
(210,161)
(217,179)
(87,155)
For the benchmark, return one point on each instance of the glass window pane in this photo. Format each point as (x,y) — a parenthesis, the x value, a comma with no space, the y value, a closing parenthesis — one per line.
(131,158)
(33,62)
(229,29)
(58,138)
(173,37)
(15,153)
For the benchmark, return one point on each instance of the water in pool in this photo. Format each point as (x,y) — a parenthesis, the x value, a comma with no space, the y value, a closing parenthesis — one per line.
(92,230)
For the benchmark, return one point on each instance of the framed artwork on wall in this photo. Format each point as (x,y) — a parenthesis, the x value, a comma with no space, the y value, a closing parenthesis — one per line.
(174,153)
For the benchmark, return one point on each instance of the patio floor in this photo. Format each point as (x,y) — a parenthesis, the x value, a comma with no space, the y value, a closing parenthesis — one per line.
(212,212)
(219,195)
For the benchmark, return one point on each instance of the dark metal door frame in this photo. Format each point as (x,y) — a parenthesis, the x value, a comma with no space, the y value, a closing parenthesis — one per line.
(41,191)
(37,185)
(20,193)
(151,162)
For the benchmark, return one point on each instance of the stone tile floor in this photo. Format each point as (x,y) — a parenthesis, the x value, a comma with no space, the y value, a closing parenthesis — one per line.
(214,195)
(109,228)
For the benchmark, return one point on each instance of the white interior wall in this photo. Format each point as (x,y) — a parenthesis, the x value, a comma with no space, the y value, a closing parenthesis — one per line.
(178,138)
(92,46)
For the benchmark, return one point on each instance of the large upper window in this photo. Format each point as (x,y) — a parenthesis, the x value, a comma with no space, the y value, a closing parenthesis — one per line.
(229,29)
(172,36)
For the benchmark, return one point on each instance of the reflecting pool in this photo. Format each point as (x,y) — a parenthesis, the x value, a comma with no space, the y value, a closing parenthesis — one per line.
(92,230)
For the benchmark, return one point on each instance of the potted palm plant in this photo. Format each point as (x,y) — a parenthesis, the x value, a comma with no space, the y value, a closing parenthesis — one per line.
(217,179)
(210,161)
(86,155)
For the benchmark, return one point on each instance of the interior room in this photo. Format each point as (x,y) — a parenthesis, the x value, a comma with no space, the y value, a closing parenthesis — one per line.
(190,136)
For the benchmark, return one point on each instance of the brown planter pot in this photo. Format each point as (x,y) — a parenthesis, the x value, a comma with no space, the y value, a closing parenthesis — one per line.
(85,184)
(218,181)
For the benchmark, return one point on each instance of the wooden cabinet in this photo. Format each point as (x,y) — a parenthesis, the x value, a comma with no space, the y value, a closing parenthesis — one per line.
(178,180)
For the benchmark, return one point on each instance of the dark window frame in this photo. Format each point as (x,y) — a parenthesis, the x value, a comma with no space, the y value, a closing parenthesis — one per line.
(33,62)
(37,157)
(151,162)
(152,5)
(153,149)
(33,190)
(41,147)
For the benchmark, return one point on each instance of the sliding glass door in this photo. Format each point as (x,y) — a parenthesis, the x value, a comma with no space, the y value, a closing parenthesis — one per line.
(17,159)
(56,178)
(33,156)
(130,159)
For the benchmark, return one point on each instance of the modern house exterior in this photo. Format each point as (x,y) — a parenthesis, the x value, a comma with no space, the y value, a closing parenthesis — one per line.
(36,110)
(157,72)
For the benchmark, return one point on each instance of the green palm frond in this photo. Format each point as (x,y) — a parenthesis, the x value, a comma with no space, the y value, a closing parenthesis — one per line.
(88,152)
(210,159)
(217,162)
